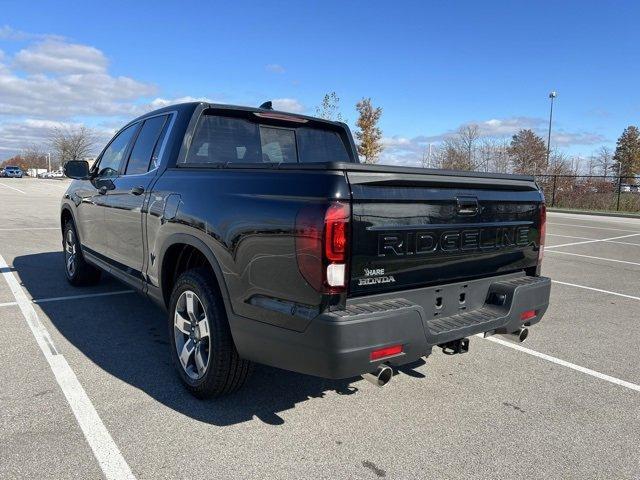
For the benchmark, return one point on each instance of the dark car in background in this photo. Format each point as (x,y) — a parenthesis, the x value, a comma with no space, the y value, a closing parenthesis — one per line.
(267,241)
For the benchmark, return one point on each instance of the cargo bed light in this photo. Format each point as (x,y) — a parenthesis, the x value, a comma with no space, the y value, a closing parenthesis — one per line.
(386,352)
(527,315)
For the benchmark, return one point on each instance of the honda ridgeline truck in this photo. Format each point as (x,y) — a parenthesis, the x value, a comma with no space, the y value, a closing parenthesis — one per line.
(267,241)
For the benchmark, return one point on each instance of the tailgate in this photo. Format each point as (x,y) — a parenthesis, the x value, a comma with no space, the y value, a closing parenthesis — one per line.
(419,229)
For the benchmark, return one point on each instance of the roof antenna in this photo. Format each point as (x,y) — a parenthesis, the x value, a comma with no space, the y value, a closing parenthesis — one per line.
(266,106)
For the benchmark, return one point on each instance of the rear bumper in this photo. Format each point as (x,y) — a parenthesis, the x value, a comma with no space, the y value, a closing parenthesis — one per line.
(339,344)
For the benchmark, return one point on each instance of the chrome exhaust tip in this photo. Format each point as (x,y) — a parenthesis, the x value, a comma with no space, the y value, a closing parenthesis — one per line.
(519,335)
(380,377)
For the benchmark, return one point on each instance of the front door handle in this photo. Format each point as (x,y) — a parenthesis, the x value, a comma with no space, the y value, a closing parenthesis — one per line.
(137,190)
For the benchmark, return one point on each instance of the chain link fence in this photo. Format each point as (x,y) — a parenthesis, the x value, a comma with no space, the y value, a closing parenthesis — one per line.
(591,192)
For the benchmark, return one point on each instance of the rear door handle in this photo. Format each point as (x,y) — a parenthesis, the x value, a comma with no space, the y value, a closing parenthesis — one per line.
(137,190)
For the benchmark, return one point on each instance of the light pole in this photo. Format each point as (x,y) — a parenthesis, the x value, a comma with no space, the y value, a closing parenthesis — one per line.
(552,95)
(49,160)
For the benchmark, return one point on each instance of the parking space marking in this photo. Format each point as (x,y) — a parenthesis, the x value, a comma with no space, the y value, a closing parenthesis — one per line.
(111,461)
(86,295)
(596,258)
(597,290)
(71,297)
(588,238)
(564,363)
(595,228)
(13,188)
(28,228)
(593,241)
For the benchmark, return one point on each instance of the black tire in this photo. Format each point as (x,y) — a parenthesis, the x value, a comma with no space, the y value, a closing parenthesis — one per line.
(225,371)
(78,272)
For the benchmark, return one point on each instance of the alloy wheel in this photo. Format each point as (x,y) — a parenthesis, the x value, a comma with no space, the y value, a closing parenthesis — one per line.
(70,252)
(192,338)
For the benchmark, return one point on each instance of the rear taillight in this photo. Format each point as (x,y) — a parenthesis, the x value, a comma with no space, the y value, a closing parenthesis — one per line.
(322,240)
(543,231)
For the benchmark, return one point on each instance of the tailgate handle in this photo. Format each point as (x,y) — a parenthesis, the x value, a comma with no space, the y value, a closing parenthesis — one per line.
(467,206)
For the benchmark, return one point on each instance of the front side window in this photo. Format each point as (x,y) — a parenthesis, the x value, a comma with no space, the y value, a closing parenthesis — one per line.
(140,157)
(113,155)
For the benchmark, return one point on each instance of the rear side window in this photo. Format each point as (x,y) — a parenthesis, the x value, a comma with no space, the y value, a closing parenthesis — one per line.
(140,157)
(220,139)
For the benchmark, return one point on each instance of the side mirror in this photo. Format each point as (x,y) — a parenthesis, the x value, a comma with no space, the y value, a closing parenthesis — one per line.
(78,169)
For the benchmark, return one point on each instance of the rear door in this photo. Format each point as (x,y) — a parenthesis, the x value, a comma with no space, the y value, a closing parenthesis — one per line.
(125,201)
(417,230)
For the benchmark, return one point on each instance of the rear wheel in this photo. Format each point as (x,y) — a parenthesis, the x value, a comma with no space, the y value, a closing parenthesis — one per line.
(202,348)
(79,273)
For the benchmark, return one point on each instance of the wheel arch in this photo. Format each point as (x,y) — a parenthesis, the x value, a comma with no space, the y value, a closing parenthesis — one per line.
(181,252)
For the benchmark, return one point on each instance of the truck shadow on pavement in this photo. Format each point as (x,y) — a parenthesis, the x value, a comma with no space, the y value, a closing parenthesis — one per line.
(126,335)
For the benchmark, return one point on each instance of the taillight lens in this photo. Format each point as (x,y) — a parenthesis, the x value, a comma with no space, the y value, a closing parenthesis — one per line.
(543,232)
(322,240)
(336,221)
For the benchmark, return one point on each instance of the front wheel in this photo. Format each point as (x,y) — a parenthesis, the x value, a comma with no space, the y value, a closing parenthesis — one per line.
(78,272)
(202,348)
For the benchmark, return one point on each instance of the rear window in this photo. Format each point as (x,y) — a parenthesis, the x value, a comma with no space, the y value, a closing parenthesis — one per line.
(220,139)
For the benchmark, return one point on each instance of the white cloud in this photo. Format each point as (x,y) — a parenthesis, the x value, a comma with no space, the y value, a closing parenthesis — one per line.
(164,102)
(63,80)
(274,68)
(55,56)
(288,105)
(32,131)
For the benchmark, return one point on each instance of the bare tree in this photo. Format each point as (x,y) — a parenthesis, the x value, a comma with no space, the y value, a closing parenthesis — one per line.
(369,134)
(468,135)
(72,143)
(34,156)
(493,156)
(604,160)
(329,109)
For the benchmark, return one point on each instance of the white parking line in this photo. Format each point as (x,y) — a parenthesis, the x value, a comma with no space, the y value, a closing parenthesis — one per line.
(596,258)
(592,241)
(71,297)
(597,290)
(13,188)
(564,363)
(595,228)
(28,228)
(87,295)
(111,461)
(589,238)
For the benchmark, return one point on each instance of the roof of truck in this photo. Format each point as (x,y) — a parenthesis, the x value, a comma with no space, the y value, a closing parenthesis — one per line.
(191,106)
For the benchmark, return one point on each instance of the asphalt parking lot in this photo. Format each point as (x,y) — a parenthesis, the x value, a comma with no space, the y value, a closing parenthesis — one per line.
(565,405)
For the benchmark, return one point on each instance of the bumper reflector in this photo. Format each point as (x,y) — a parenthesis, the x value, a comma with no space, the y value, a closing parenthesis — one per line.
(527,315)
(386,352)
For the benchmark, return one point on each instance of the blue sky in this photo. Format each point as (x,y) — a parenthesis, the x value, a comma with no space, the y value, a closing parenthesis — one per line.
(432,66)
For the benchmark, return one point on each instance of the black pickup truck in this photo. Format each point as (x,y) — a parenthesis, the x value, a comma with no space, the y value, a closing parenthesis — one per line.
(267,241)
